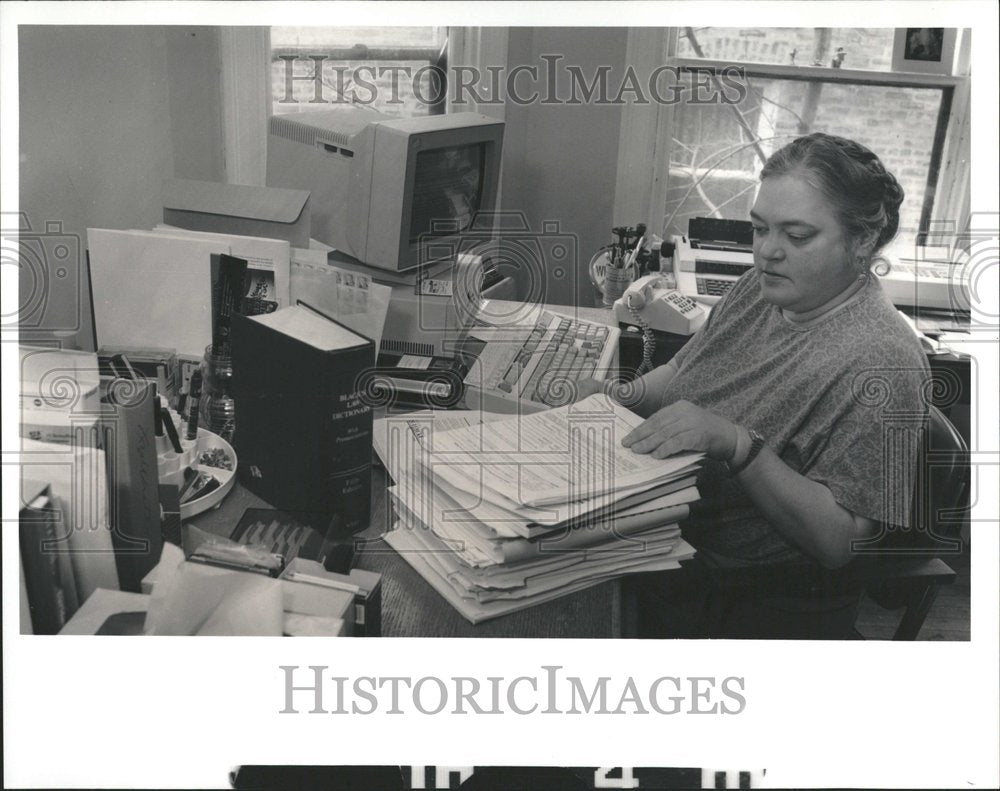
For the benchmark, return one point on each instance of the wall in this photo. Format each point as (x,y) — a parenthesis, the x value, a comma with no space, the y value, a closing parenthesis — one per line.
(560,160)
(106,113)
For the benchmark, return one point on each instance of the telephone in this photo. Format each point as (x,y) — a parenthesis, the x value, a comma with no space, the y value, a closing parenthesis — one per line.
(651,305)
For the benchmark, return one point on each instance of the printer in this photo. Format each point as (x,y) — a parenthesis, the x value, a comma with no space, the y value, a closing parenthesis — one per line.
(712,257)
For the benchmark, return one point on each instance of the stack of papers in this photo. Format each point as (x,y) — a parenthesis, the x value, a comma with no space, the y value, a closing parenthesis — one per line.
(501,512)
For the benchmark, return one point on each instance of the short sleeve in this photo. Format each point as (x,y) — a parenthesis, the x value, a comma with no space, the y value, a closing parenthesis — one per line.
(869,455)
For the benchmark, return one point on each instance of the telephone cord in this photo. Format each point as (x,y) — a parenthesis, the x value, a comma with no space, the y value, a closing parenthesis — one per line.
(648,341)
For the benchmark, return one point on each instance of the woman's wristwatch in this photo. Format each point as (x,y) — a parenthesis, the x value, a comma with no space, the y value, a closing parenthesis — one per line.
(756,443)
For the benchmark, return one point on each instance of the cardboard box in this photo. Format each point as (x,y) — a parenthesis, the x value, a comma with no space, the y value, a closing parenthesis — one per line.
(365,587)
(121,613)
(312,600)
(238,209)
(309,609)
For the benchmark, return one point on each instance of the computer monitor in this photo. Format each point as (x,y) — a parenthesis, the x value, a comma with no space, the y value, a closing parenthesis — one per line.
(392,193)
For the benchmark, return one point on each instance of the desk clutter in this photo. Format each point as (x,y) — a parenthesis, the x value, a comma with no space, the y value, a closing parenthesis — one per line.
(225,355)
(120,447)
(498,513)
(109,471)
(207,594)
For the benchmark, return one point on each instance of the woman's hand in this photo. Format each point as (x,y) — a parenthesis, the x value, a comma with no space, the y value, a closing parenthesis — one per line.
(682,426)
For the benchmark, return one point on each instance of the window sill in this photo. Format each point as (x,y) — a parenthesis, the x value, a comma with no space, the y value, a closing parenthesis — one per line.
(821,73)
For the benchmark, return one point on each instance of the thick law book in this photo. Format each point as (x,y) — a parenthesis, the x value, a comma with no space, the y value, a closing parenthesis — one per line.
(303,427)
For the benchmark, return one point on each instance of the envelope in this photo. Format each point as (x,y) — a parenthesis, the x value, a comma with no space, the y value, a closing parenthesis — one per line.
(237,209)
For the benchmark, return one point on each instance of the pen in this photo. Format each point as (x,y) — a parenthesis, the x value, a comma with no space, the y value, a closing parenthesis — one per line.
(635,252)
(201,484)
(190,476)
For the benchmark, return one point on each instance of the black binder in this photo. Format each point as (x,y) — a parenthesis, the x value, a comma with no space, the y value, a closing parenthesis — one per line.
(127,435)
(303,426)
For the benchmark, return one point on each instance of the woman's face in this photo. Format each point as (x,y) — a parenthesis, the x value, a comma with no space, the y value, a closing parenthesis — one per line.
(799,249)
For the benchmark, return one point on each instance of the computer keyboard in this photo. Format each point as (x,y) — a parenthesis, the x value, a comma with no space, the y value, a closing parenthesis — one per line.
(534,368)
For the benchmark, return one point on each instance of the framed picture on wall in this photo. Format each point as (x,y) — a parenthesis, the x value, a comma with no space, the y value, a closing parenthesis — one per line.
(929,50)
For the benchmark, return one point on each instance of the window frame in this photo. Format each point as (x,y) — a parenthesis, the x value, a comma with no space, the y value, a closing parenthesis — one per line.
(645,142)
(245,76)
(436,57)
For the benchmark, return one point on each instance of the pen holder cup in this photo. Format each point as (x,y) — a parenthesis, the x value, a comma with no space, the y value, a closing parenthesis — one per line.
(616,281)
(218,410)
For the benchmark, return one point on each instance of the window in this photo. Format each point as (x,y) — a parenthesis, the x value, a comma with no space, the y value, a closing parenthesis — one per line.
(399,71)
(800,80)
(849,47)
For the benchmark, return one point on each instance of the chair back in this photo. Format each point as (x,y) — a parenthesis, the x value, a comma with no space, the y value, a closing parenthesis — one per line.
(941,491)
(939,508)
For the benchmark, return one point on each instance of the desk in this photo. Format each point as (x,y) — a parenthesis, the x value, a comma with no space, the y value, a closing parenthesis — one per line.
(412,608)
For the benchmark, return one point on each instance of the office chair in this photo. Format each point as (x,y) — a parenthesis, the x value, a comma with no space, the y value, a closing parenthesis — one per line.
(900,569)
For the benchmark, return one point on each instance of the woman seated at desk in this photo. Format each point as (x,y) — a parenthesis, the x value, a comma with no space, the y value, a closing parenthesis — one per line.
(791,385)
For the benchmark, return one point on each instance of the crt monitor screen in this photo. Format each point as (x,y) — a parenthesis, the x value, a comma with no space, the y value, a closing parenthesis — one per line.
(382,188)
(447,190)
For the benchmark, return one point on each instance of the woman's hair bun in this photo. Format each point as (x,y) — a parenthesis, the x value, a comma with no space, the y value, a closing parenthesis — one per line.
(863,193)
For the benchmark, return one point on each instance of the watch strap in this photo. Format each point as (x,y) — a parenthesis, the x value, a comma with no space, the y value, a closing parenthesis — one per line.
(756,443)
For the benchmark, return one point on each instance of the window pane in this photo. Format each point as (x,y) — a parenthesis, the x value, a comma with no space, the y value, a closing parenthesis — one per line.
(351,36)
(394,81)
(861,48)
(714,168)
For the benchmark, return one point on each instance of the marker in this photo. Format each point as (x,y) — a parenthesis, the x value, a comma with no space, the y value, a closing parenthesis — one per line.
(158,417)
(168,424)
(194,401)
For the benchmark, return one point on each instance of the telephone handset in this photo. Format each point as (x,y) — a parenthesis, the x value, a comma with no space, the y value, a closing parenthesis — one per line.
(648,302)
